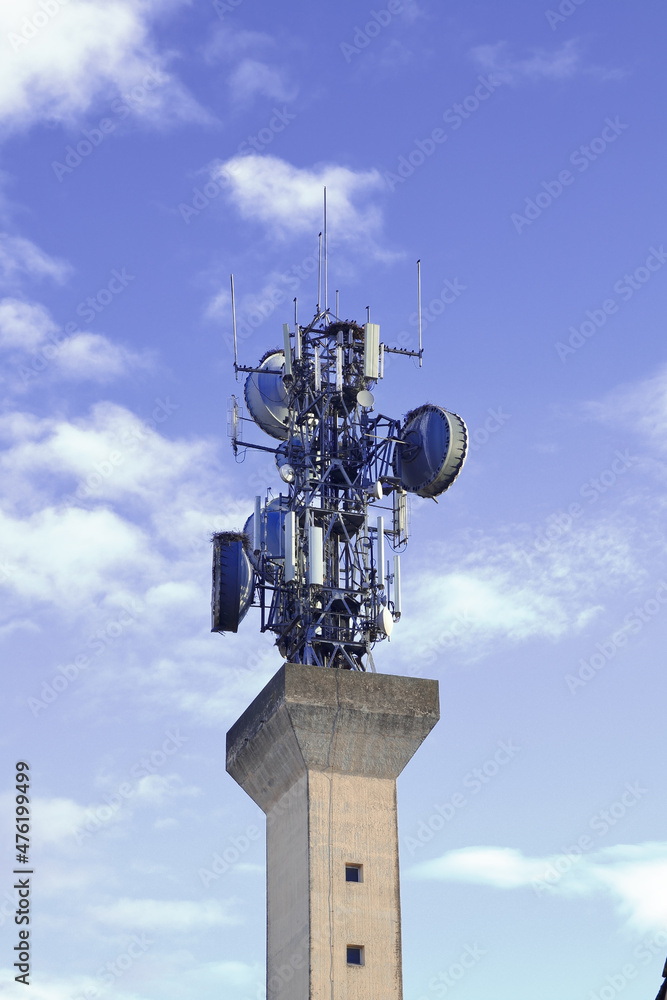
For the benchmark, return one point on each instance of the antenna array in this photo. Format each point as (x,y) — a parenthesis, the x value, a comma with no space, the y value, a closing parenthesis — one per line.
(314,558)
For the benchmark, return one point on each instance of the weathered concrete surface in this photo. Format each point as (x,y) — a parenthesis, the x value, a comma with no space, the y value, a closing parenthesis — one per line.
(319,750)
(353,819)
(288,895)
(327,719)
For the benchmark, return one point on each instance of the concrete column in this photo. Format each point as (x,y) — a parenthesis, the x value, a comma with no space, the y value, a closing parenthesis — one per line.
(319,750)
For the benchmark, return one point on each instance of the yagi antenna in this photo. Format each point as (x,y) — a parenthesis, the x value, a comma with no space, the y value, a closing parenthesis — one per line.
(234,327)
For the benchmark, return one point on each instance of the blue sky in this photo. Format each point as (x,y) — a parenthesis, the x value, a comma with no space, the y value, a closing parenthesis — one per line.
(150,147)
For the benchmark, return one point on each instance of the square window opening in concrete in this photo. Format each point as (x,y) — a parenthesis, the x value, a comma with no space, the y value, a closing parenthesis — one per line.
(354,873)
(355,954)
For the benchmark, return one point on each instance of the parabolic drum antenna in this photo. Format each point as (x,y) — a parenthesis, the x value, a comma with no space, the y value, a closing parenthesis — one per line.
(314,558)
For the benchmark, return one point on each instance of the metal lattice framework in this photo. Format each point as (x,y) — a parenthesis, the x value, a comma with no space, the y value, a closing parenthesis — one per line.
(314,557)
(325,589)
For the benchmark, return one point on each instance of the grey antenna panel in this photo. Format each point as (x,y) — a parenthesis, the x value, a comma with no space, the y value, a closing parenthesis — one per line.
(266,396)
(233,581)
(432,451)
(272,535)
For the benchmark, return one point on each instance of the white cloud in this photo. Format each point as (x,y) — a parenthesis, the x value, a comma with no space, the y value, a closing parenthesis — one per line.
(103,513)
(93,356)
(252,74)
(168,823)
(412,11)
(47,987)
(288,199)
(253,307)
(65,823)
(635,876)
(24,325)
(487,588)
(562,63)
(221,977)
(129,987)
(219,306)
(86,51)
(167,972)
(73,557)
(109,454)
(56,819)
(640,405)
(250,868)
(226,44)
(165,915)
(492,602)
(18,625)
(155,789)
(253,78)
(20,256)
(501,867)
(249,662)
(35,346)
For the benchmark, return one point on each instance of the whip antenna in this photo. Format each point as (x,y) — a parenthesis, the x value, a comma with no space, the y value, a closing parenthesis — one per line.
(419,307)
(234,327)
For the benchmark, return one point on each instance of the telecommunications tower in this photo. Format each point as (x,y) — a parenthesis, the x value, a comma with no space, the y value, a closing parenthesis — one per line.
(319,750)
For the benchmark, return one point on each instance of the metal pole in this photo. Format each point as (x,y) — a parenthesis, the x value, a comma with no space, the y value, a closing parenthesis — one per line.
(326,297)
(419,307)
(234,326)
(397,585)
(297,334)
